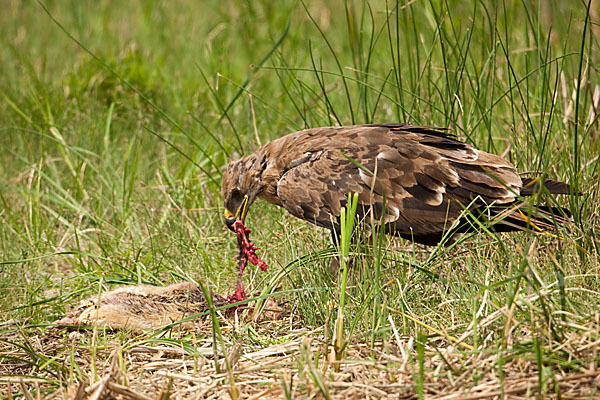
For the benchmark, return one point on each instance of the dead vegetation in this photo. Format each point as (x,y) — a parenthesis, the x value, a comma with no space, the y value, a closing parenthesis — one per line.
(111,165)
(280,359)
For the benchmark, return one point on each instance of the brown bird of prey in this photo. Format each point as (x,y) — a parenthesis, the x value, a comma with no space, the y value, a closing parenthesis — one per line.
(417,181)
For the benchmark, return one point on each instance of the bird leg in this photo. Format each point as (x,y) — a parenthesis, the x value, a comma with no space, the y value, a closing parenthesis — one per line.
(247,253)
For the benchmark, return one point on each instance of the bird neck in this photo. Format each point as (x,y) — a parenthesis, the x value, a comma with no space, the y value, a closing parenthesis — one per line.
(269,175)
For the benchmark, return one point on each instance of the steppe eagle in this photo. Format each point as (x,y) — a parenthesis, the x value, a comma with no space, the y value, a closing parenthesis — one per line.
(417,181)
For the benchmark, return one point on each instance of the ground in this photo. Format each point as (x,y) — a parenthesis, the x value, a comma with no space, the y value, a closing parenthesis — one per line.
(297,363)
(118,119)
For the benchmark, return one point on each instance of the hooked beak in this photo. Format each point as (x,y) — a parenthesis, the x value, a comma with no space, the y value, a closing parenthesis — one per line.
(239,215)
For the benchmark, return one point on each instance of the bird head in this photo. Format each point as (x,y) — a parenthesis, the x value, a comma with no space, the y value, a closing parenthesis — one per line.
(239,187)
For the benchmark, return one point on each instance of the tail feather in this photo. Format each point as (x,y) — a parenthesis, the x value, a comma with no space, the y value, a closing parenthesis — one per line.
(521,217)
(535,185)
(518,216)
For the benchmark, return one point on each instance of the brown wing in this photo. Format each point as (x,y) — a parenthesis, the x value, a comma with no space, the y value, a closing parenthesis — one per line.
(316,189)
(426,179)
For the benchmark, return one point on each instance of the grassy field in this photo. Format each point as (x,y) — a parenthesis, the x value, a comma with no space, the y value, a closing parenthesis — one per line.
(117,119)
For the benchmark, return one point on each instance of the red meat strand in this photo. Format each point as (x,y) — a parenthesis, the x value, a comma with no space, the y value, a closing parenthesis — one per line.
(239,294)
(247,248)
(247,253)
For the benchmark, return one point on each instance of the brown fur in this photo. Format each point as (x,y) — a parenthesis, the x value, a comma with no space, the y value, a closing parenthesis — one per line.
(139,308)
(144,307)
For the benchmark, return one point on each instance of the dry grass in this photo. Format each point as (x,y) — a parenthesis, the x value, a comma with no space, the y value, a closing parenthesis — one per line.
(110,166)
(150,372)
(180,363)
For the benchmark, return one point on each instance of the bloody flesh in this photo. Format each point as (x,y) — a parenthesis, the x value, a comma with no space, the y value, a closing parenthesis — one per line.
(247,253)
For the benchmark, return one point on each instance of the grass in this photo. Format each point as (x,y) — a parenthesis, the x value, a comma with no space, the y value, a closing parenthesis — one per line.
(117,121)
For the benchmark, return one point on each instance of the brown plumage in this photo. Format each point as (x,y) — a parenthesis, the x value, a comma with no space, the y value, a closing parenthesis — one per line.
(417,180)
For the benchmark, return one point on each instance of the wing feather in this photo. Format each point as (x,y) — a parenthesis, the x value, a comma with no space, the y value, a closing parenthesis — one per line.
(425,175)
